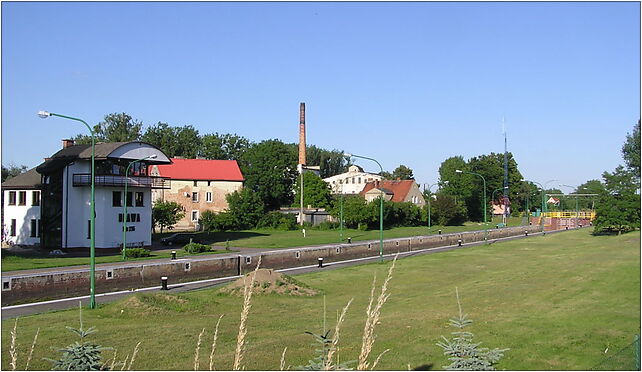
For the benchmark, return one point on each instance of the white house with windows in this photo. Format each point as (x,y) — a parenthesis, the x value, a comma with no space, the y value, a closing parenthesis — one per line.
(65,189)
(21,209)
(351,182)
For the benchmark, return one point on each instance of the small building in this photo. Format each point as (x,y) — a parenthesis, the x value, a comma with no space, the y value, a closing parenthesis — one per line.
(198,185)
(50,204)
(351,182)
(394,190)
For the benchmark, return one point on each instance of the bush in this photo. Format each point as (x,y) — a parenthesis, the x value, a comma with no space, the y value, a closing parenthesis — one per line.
(217,221)
(328,225)
(137,252)
(192,248)
(277,220)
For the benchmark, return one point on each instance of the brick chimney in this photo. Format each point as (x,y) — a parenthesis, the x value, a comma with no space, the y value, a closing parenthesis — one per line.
(302,133)
(67,142)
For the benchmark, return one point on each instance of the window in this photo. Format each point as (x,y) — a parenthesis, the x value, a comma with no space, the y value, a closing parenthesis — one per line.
(209,183)
(12,232)
(139,199)
(35,198)
(208,197)
(88,229)
(359,180)
(195,197)
(12,198)
(22,198)
(129,198)
(33,231)
(116,199)
(353,180)
(194,216)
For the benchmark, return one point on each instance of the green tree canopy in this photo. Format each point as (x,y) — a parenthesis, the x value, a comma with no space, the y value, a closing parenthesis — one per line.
(223,146)
(332,162)
(166,214)
(12,171)
(446,211)
(114,128)
(174,141)
(316,192)
(618,207)
(403,173)
(270,171)
(245,208)
(631,151)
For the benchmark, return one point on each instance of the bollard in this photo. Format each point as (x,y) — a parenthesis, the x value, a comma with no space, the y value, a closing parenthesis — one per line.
(439,232)
(459,242)
(580,225)
(497,226)
(163,283)
(526,232)
(173,255)
(566,227)
(349,240)
(320,259)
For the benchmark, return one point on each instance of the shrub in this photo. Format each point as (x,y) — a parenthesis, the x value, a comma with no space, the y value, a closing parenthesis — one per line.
(192,248)
(137,252)
(328,225)
(218,221)
(277,220)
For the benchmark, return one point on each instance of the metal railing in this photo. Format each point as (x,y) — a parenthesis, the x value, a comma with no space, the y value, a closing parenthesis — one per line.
(571,214)
(84,179)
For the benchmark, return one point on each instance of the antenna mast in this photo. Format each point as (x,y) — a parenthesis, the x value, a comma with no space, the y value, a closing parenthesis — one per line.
(505,171)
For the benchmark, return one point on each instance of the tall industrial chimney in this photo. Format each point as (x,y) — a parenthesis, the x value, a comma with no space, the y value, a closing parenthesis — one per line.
(302,134)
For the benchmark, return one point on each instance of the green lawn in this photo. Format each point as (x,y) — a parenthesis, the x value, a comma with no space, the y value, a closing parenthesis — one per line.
(556,301)
(259,238)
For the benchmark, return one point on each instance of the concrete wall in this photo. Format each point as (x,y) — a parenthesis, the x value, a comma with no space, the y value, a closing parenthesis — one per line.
(20,288)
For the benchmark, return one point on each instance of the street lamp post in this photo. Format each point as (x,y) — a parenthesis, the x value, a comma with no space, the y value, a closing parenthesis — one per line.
(341,215)
(92,217)
(429,200)
(125,201)
(485,221)
(380,208)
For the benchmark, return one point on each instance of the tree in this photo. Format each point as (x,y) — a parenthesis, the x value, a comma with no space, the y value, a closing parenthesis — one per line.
(403,173)
(223,146)
(354,210)
(316,192)
(12,171)
(589,187)
(245,208)
(452,183)
(386,175)
(182,142)
(618,206)
(270,171)
(631,151)
(332,162)
(166,214)
(114,128)
(446,211)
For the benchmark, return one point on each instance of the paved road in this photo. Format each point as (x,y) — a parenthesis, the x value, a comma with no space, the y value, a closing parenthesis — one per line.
(41,307)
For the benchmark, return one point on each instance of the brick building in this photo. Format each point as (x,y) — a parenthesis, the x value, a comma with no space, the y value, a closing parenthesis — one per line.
(198,185)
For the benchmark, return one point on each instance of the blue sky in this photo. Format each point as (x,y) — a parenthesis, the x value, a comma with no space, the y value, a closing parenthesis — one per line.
(405,83)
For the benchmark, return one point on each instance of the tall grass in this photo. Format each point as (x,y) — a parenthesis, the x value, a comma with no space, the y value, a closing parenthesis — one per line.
(247,304)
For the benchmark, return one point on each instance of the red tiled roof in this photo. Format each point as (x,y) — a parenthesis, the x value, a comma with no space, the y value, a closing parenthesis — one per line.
(399,188)
(201,169)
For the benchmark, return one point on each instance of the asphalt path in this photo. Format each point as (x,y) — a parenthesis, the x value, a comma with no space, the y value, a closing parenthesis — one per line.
(9,312)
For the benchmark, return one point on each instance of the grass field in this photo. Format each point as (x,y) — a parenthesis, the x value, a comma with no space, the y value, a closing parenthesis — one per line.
(259,238)
(556,301)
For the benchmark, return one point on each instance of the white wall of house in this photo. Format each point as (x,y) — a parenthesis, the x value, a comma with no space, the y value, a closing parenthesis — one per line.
(351,182)
(22,215)
(76,214)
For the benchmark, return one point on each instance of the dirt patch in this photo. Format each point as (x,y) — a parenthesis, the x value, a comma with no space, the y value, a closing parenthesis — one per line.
(270,281)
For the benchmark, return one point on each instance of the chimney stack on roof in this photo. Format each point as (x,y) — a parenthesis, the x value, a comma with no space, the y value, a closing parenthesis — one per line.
(67,143)
(302,134)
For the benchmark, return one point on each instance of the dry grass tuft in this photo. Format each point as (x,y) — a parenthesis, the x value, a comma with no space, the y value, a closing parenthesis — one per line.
(131,361)
(214,343)
(373,314)
(240,340)
(13,352)
(198,349)
(33,346)
(283,359)
(335,339)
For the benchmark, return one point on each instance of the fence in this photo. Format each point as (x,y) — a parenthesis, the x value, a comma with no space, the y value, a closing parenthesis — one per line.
(627,359)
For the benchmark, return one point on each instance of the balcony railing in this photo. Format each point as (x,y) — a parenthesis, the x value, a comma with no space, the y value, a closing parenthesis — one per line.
(84,179)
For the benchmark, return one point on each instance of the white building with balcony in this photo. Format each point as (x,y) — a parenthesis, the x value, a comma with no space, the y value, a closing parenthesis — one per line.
(65,188)
(351,182)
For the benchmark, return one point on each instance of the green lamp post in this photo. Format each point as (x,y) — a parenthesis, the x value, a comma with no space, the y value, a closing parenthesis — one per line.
(125,200)
(92,217)
(485,219)
(429,200)
(347,155)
